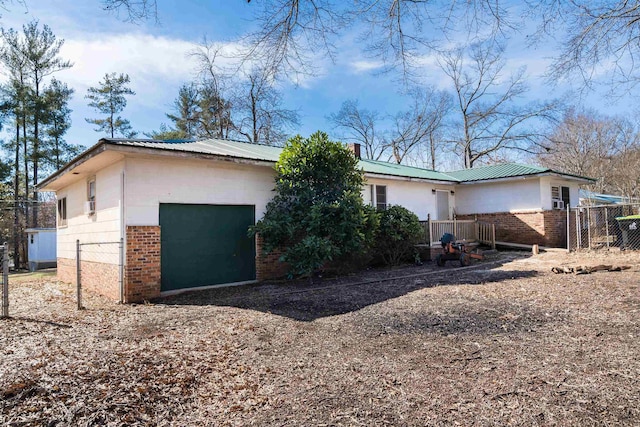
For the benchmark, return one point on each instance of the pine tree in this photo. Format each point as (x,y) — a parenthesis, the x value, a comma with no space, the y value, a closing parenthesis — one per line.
(57,121)
(110,99)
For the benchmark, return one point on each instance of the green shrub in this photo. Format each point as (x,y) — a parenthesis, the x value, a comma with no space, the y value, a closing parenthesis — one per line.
(398,233)
(317,214)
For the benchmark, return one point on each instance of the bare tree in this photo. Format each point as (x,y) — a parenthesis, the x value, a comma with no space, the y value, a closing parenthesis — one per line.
(291,33)
(214,104)
(133,10)
(359,125)
(597,38)
(258,111)
(588,144)
(420,127)
(490,114)
(412,132)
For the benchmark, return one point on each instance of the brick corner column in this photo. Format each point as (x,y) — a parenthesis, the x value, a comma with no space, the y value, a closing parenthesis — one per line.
(268,266)
(142,269)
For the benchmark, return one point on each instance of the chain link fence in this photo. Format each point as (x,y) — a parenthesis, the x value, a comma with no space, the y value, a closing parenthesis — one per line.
(606,226)
(100,267)
(5,281)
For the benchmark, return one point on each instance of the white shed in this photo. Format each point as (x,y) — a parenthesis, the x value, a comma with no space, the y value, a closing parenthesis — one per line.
(42,248)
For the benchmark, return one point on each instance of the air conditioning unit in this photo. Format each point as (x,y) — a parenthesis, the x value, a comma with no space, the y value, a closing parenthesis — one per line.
(89,207)
(557,204)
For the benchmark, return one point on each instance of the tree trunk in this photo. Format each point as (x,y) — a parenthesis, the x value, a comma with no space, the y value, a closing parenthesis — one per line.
(36,150)
(16,196)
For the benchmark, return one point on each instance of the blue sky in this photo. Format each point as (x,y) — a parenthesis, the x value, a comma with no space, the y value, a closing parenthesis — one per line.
(156,58)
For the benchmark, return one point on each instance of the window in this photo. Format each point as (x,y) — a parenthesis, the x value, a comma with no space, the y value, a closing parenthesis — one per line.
(62,212)
(91,196)
(560,197)
(379,197)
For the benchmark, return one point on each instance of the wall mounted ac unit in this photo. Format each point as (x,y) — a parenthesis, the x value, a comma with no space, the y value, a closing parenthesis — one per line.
(557,204)
(89,207)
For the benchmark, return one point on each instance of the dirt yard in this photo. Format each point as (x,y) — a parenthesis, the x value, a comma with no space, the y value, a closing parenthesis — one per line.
(504,342)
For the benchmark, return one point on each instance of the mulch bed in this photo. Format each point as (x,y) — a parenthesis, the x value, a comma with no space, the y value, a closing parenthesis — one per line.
(506,342)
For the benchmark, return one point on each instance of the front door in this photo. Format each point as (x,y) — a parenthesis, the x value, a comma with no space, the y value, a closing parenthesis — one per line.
(442,205)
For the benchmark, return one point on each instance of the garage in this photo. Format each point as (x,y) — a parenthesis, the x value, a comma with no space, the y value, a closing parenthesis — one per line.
(203,245)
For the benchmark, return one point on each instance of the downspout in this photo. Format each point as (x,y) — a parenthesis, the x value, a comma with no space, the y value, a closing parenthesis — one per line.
(123,234)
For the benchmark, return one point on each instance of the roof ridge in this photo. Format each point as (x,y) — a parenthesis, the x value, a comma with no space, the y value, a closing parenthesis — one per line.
(500,164)
(400,164)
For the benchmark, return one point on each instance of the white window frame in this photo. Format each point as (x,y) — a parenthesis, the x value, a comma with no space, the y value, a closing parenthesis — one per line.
(90,207)
(557,202)
(62,211)
(374,197)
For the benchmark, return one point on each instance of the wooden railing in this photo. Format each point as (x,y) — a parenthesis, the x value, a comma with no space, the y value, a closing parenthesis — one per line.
(481,232)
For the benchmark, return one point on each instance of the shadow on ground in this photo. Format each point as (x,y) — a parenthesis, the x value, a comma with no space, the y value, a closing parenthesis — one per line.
(302,301)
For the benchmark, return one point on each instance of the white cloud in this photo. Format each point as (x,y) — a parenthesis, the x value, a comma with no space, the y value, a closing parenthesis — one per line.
(152,63)
(363,66)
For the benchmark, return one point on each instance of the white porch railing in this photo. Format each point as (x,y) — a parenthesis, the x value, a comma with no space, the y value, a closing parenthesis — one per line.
(481,232)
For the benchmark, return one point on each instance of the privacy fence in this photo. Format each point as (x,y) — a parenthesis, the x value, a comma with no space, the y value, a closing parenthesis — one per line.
(606,226)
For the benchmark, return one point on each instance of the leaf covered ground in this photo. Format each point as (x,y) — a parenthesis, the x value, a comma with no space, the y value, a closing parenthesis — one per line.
(503,342)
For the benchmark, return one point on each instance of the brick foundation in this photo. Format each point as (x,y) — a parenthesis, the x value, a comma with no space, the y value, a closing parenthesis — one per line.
(96,277)
(66,270)
(142,268)
(545,228)
(269,266)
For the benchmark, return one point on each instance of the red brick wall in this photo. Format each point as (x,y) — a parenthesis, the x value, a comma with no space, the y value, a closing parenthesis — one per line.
(268,266)
(545,228)
(555,228)
(142,269)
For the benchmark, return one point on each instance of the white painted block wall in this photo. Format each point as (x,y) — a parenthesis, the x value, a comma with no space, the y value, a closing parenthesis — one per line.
(102,226)
(150,182)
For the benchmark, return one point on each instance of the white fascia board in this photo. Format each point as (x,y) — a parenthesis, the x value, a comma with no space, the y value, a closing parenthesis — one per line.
(522,177)
(407,179)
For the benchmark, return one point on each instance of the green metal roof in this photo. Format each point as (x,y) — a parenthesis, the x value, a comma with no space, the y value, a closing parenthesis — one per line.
(384,168)
(505,170)
(245,150)
(220,147)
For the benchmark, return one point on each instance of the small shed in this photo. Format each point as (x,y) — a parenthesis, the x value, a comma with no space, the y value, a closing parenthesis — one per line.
(42,248)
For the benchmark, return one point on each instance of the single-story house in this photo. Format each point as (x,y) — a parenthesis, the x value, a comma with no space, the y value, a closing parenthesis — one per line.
(182,209)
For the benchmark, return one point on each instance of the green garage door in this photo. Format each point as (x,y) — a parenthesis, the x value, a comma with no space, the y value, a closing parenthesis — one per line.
(206,245)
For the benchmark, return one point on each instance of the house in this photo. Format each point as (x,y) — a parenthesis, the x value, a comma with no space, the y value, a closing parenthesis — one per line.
(590,198)
(181,209)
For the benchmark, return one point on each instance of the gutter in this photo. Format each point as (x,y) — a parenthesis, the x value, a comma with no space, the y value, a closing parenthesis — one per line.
(408,178)
(537,175)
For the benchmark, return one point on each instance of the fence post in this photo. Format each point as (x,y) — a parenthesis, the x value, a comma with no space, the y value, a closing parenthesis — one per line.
(578,230)
(5,281)
(606,222)
(588,228)
(493,236)
(121,269)
(568,229)
(455,226)
(429,228)
(78,275)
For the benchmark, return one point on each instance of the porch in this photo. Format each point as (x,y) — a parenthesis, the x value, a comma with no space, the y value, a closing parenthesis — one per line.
(469,230)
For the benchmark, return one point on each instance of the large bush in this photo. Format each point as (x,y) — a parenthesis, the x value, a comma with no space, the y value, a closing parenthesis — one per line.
(317,214)
(398,233)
